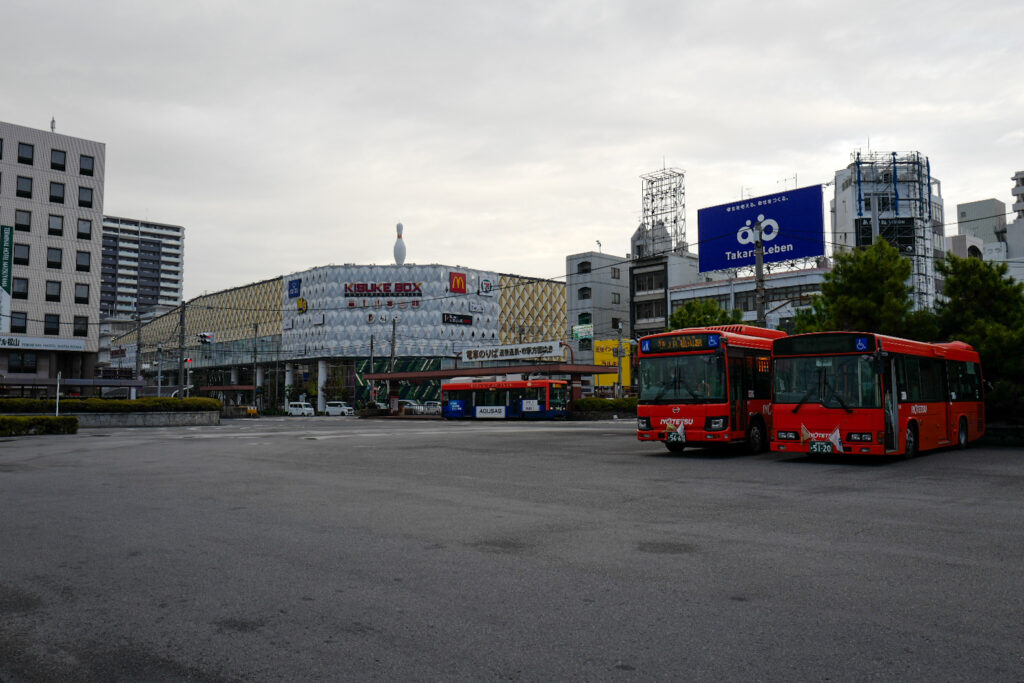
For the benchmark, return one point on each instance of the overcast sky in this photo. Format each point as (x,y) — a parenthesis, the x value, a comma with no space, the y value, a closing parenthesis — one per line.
(504,135)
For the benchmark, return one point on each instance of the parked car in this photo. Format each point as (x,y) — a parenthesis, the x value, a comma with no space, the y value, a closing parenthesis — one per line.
(339,408)
(431,407)
(299,408)
(411,407)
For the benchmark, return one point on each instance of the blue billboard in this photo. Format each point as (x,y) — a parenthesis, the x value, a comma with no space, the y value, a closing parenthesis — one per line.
(792,227)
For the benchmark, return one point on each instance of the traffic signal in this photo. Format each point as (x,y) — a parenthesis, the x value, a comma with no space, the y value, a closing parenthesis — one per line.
(188,360)
(205,337)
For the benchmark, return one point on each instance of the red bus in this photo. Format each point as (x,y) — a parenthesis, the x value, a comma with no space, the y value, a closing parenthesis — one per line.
(535,399)
(868,394)
(706,386)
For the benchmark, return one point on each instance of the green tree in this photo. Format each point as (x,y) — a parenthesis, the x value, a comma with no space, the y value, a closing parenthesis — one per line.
(978,290)
(985,308)
(701,313)
(866,291)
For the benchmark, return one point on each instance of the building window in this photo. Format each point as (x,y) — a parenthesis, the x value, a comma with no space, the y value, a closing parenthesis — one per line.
(583,267)
(1,148)
(54,257)
(19,288)
(85,197)
(616,273)
(26,153)
(58,158)
(585,319)
(21,254)
(85,164)
(22,220)
(649,282)
(24,187)
(616,323)
(616,298)
(583,293)
(83,261)
(21,362)
(52,290)
(57,193)
(81,326)
(586,345)
(84,229)
(56,226)
(51,323)
(19,322)
(81,293)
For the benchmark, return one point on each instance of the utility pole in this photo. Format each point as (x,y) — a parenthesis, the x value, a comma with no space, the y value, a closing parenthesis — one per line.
(159,369)
(181,352)
(373,383)
(618,352)
(138,346)
(391,369)
(759,295)
(255,336)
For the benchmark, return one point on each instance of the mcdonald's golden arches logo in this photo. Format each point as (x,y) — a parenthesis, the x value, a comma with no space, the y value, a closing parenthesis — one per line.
(457,283)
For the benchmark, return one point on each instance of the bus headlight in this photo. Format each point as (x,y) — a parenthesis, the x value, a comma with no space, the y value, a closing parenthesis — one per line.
(716,424)
(643,424)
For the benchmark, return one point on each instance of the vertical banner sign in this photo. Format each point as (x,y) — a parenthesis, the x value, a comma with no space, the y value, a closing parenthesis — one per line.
(791,223)
(6,265)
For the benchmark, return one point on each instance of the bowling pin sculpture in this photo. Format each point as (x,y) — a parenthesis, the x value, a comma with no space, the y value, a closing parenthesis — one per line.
(399,247)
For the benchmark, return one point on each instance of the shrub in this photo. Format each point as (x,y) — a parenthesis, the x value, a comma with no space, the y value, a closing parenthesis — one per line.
(596,405)
(102,405)
(37,424)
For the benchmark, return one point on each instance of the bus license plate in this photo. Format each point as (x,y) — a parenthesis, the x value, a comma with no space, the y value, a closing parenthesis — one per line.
(677,437)
(821,447)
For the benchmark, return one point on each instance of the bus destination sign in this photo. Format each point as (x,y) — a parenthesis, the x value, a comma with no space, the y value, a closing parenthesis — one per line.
(680,342)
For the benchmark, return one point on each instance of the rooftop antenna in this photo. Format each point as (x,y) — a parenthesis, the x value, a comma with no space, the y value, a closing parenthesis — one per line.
(53,125)
(598,246)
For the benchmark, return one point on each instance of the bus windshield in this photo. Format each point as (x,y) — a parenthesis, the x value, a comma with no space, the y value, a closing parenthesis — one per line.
(845,382)
(693,378)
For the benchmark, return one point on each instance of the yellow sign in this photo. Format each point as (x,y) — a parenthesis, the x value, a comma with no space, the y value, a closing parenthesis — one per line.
(303,306)
(604,354)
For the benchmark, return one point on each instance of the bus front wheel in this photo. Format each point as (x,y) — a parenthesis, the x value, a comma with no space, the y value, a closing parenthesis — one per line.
(961,437)
(675,447)
(756,438)
(911,442)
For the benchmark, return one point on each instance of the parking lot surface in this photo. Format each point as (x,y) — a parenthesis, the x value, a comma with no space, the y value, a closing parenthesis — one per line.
(335,548)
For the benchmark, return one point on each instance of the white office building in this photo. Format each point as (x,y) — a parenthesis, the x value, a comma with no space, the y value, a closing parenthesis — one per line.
(51,210)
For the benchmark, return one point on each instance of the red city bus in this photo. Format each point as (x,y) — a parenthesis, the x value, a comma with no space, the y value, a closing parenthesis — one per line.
(535,399)
(868,394)
(706,386)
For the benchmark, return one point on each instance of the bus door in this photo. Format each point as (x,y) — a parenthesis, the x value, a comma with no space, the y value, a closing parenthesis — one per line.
(515,402)
(889,404)
(737,396)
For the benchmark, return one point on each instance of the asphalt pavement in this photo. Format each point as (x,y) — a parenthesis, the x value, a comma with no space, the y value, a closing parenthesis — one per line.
(345,549)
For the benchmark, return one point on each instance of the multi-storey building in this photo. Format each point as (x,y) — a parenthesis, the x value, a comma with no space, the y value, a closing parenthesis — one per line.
(894,196)
(142,267)
(51,204)
(597,300)
(320,330)
(1018,194)
(984,219)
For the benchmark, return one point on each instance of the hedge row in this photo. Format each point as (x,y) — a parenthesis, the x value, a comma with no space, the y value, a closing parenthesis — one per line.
(37,424)
(102,405)
(595,405)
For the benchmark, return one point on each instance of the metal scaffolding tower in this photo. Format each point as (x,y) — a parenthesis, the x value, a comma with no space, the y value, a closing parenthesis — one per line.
(663,226)
(894,202)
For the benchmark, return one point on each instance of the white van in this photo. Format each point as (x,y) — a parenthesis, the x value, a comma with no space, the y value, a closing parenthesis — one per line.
(299,408)
(339,408)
